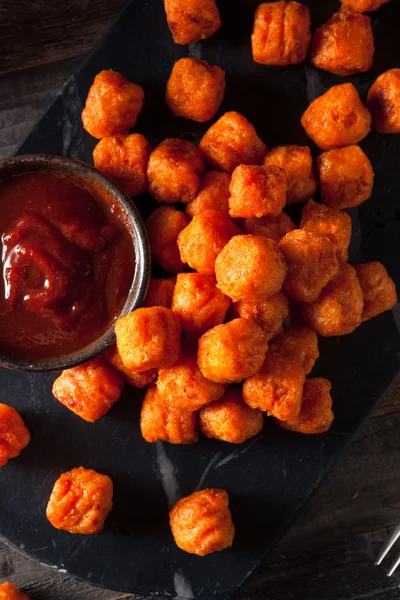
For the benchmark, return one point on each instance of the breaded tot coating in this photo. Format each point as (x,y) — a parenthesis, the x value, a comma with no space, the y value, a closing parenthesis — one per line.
(198,303)
(270,227)
(14,436)
(8,591)
(160,292)
(138,380)
(250,268)
(201,523)
(174,171)
(257,191)
(312,262)
(89,390)
(163,227)
(344,45)
(379,290)
(231,352)
(195,89)
(281,33)
(297,163)
(192,20)
(269,314)
(112,106)
(339,308)
(330,222)
(299,343)
(364,5)
(160,422)
(230,142)
(80,501)
(230,419)
(383,101)
(124,160)
(337,118)
(148,338)
(203,239)
(277,388)
(346,177)
(213,194)
(316,414)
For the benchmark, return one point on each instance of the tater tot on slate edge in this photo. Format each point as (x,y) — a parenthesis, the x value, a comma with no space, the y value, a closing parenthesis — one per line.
(297,163)
(257,191)
(139,380)
(315,414)
(379,290)
(330,222)
(8,591)
(270,314)
(213,194)
(192,20)
(383,101)
(364,5)
(273,227)
(163,227)
(160,292)
(298,343)
(14,436)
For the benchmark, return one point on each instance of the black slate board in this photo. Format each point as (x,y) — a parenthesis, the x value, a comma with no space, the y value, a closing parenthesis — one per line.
(270,477)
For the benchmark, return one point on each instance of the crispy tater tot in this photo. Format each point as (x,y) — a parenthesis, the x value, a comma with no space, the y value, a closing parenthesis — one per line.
(213,194)
(112,106)
(8,591)
(201,523)
(298,343)
(270,314)
(364,5)
(297,163)
(257,191)
(14,436)
(337,118)
(379,290)
(330,222)
(163,227)
(80,501)
(315,414)
(139,380)
(160,292)
(230,142)
(281,33)
(383,101)
(270,227)
(192,20)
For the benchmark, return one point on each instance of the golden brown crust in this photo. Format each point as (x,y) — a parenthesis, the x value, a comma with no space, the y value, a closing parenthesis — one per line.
(160,292)
(299,343)
(8,591)
(330,222)
(297,163)
(379,290)
(270,227)
(213,194)
(270,314)
(192,20)
(163,227)
(139,380)
(257,191)
(383,101)
(364,5)
(14,436)
(315,415)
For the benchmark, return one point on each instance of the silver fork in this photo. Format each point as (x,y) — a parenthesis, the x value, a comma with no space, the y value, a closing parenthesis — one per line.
(391,541)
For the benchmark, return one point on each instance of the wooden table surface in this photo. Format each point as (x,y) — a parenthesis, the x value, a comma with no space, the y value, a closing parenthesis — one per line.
(329,553)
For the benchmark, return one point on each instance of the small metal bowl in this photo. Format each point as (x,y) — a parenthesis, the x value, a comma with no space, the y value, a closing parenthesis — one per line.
(104,189)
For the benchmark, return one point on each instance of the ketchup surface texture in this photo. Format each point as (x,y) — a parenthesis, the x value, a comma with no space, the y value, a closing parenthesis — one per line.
(67,266)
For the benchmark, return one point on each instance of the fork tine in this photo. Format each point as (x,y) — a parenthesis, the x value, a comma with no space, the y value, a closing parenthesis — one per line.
(394,566)
(393,538)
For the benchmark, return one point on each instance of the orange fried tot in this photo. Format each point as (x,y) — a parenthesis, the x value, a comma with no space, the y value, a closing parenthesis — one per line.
(163,227)
(138,380)
(192,20)
(297,163)
(379,290)
(298,343)
(383,101)
(364,5)
(8,591)
(257,191)
(269,314)
(14,436)
(315,414)
(270,227)
(330,222)
(213,194)
(160,292)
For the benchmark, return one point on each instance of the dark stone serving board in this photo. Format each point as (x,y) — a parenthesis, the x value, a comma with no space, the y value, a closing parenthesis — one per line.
(270,477)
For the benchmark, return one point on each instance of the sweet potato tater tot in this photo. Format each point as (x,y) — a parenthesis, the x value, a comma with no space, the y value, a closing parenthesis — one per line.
(297,163)
(163,227)
(379,290)
(80,501)
(89,390)
(315,414)
(344,45)
(213,194)
(195,89)
(312,262)
(231,352)
(112,106)
(230,142)
(174,171)
(148,338)
(257,191)
(160,422)
(14,436)
(160,292)
(124,160)
(8,591)
(277,388)
(337,118)
(192,20)
(269,314)
(281,33)
(346,177)
(250,268)
(330,222)
(383,101)
(364,5)
(201,523)
(298,343)
(339,308)
(203,239)
(230,419)
(139,380)
(270,227)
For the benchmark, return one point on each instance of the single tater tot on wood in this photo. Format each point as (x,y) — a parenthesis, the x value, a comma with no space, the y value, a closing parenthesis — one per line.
(337,118)
(330,222)
(270,314)
(383,101)
(139,380)
(160,292)
(148,338)
(231,352)
(273,227)
(160,422)
(298,343)
(250,268)
(364,5)
(213,194)
(8,591)
(339,308)
(379,290)
(312,261)
(112,106)
(89,390)
(315,414)
(174,171)
(201,523)
(80,501)
(230,142)
(192,20)
(203,239)
(281,33)
(195,89)
(14,436)
(257,191)
(297,163)
(163,227)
